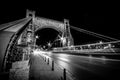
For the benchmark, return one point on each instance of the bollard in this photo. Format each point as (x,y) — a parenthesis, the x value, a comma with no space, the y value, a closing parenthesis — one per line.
(45,59)
(52,65)
(48,61)
(64,74)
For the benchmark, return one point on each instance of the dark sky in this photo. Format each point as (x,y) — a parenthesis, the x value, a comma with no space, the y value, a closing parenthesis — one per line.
(46,35)
(96,18)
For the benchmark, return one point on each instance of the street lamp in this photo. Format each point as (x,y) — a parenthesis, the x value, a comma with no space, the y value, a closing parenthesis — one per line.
(62,39)
(49,45)
(36,37)
(100,42)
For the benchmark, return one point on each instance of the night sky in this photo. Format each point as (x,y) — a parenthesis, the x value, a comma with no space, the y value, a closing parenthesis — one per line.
(97,18)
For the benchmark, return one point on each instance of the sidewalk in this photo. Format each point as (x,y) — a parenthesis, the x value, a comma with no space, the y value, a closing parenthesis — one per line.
(37,68)
(40,70)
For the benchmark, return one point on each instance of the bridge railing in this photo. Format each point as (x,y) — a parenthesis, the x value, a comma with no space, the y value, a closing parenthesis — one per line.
(91,47)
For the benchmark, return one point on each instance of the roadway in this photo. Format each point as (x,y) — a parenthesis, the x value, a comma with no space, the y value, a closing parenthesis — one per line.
(88,67)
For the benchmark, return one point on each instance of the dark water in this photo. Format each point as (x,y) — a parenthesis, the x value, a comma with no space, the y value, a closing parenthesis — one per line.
(88,67)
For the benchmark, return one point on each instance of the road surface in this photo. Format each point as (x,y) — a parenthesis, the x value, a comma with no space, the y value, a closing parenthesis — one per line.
(88,67)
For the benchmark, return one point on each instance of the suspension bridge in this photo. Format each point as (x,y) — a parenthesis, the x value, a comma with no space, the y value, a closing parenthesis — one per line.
(18,42)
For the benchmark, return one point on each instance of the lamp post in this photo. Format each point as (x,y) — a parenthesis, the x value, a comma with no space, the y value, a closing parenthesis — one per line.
(62,40)
(49,45)
(36,37)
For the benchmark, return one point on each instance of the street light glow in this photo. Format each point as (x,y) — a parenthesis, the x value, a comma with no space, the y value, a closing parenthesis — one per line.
(62,39)
(37,37)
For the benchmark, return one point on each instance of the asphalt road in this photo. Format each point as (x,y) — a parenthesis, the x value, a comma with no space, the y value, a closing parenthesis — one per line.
(88,67)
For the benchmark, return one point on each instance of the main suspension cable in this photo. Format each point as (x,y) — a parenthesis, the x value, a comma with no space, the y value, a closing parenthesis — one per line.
(94,34)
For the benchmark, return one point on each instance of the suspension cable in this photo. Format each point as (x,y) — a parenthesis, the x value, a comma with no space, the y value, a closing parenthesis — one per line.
(93,33)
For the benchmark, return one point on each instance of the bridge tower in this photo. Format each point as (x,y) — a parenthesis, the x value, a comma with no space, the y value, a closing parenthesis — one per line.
(30,14)
(67,34)
(31,29)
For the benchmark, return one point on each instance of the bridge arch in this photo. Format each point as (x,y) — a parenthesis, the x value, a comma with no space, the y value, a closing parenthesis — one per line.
(40,23)
(49,27)
(47,36)
(62,28)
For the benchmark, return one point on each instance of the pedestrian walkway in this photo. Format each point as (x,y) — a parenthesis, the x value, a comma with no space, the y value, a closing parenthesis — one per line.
(37,68)
(40,70)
